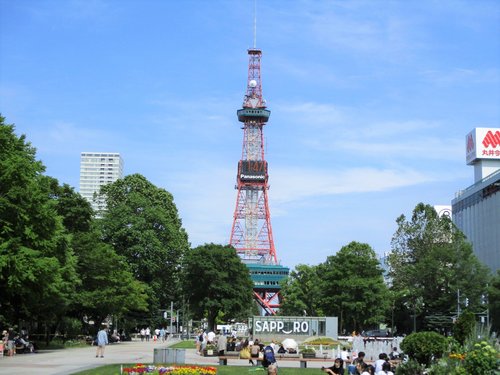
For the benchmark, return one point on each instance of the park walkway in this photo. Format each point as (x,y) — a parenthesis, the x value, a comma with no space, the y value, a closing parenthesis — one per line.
(69,361)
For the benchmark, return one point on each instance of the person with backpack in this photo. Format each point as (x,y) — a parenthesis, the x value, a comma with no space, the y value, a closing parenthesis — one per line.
(269,360)
(199,341)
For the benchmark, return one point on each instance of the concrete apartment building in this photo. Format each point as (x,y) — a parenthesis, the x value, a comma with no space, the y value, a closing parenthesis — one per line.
(98,169)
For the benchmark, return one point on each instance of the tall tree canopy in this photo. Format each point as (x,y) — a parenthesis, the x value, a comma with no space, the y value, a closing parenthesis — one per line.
(37,266)
(142,224)
(108,287)
(75,210)
(352,287)
(217,283)
(300,291)
(431,263)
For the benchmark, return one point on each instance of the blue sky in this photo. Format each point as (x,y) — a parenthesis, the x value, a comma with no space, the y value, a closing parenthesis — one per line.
(370,103)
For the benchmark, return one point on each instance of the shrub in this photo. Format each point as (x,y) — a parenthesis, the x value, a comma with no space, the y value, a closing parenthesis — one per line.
(482,359)
(321,341)
(411,367)
(448,366)
(308,351)
(424,347)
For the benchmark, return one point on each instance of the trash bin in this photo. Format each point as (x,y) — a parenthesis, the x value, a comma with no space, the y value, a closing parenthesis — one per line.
(167,355)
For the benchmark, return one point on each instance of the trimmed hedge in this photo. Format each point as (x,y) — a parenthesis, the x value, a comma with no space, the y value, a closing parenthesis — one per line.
(424,347)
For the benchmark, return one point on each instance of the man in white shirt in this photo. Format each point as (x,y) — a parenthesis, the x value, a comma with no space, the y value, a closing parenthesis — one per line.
(379,362)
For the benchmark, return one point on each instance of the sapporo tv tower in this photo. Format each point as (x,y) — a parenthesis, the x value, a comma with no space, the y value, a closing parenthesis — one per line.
(251,233)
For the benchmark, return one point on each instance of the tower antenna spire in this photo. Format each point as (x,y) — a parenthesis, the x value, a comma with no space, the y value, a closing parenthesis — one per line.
(255,24)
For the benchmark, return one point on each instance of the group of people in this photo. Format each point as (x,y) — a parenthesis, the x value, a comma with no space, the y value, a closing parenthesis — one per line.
(8,339)
(13,340)
(253,350)
(382,366)
(159,334)
(248,349)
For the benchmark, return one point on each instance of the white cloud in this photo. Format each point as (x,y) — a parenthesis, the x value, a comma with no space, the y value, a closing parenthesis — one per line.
(345,132)
(309,182)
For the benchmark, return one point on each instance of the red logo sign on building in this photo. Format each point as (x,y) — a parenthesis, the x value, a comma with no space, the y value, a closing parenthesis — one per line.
(490,139)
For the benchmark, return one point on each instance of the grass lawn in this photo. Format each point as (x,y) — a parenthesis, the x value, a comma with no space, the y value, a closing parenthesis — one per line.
(186,344)
(221,370)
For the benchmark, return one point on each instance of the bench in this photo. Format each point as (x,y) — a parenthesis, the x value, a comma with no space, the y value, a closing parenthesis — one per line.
(303,361)
(223,358)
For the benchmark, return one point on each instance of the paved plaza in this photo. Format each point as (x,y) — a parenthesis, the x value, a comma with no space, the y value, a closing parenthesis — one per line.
(69,361)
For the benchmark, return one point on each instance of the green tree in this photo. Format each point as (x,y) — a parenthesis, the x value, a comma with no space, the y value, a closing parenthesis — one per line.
(75,210)
(142,224)
(494,302)
(217,283)
(352,287)
(300,292)
(37,266)
(464,327)
(429,263)
(108,287)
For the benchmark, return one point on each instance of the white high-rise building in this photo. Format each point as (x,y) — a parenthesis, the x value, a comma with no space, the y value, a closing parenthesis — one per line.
(98,169)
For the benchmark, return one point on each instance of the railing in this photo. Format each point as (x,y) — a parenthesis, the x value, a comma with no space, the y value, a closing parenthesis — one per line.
(490,176)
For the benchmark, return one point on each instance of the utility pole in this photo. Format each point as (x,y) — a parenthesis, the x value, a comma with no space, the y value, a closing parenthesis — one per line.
(171,315)
(415,316)
(458,303)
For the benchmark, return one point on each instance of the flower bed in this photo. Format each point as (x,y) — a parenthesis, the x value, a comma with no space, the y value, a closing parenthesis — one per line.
(169,370)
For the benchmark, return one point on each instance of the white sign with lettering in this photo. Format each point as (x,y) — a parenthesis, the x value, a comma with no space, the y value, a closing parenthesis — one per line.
(278,326)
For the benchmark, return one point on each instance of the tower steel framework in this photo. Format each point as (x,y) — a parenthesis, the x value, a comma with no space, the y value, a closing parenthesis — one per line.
(251,233)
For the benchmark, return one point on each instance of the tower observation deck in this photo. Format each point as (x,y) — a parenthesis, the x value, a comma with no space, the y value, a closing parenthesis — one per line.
(251,232)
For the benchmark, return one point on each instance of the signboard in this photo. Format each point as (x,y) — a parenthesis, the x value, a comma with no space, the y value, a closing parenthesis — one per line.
(296,327)
(482,143)
(252,170)
(443,211)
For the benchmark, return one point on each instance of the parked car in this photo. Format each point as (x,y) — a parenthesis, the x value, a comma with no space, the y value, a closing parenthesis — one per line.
(377,333)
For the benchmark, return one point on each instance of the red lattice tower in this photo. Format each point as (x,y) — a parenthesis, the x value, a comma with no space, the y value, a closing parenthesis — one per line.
(251,233)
